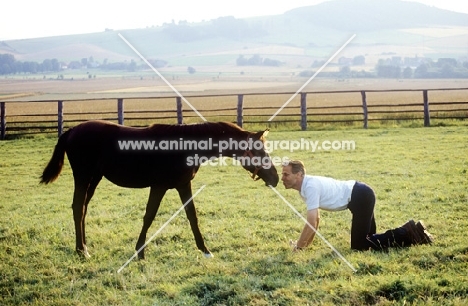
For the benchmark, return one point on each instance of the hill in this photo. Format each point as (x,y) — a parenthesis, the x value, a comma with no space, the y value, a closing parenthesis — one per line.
(365,15)
(295,38)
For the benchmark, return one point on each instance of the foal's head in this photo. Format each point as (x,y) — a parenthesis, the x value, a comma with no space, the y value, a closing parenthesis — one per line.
(257,161)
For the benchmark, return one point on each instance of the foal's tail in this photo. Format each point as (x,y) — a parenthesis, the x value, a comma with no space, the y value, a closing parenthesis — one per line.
(54,167)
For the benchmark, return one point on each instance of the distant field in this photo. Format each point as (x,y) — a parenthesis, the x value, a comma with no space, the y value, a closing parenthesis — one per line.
(263,80)
(216,99)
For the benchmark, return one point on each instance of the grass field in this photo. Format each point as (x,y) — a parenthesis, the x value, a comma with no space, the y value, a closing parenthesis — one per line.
(418,173)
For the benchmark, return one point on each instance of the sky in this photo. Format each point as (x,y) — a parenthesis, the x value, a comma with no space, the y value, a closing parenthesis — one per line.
(30,19)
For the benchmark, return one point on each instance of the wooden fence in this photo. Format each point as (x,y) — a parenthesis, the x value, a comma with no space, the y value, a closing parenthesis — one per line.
(364,112)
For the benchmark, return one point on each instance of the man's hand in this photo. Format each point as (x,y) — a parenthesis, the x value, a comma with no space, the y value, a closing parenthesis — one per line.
(308,233)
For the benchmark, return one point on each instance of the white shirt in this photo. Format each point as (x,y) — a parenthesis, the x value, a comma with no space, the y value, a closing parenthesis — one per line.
(326,193)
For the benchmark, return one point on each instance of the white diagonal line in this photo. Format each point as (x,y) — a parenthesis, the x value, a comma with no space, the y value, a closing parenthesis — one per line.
(162,77)
(160,229)
(313,228)
(311,78)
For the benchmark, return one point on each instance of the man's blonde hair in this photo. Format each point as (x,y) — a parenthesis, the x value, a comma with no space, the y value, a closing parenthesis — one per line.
(296,166)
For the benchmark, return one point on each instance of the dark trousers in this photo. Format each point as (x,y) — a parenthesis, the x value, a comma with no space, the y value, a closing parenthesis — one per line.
(363,222)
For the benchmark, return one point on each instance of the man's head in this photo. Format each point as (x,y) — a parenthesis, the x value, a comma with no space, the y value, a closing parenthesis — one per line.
(293,174)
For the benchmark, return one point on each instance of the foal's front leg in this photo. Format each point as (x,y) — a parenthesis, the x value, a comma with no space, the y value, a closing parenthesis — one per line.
(154,200)
(185,193)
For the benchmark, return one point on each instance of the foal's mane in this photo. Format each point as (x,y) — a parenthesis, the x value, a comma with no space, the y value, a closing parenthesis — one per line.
(197,129)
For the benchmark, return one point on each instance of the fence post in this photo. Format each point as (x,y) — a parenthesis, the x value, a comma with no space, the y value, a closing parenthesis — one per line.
(2,121)
(304,111)
(240,110)
(180,116)
(60,118)
(427,115)
(120,111)
(364,108)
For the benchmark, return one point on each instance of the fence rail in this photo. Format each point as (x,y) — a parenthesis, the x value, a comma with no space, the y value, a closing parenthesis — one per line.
(303,114)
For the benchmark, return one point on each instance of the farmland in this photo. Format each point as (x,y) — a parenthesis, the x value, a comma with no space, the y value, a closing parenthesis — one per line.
(99,96)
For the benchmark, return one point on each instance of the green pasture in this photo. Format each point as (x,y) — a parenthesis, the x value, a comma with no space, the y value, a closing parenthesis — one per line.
(418,173)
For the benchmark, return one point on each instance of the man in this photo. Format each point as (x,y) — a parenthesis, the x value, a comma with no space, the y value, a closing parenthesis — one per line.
(329,194)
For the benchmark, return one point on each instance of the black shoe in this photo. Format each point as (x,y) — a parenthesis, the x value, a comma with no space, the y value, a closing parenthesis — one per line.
(395,238)
(375,243)
(399,237)
(413,232)
(422,231)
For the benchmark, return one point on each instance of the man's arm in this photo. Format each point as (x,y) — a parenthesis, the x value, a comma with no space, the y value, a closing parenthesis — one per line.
(308,234)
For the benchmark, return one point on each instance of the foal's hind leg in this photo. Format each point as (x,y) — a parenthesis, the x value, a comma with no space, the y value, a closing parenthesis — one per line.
(79,210)
(185,193)
(154,200)
(84,190)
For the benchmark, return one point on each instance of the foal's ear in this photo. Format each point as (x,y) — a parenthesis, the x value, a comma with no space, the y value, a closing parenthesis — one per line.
(261,134)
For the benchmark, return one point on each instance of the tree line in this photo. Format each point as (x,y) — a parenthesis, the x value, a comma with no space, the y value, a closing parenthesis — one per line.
(226,27)
(396,67)
(427,68)
(9,65)
(257,60)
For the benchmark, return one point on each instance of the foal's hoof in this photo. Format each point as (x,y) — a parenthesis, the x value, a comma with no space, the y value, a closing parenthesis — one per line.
(208,255)
(141,255)
(84,253)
